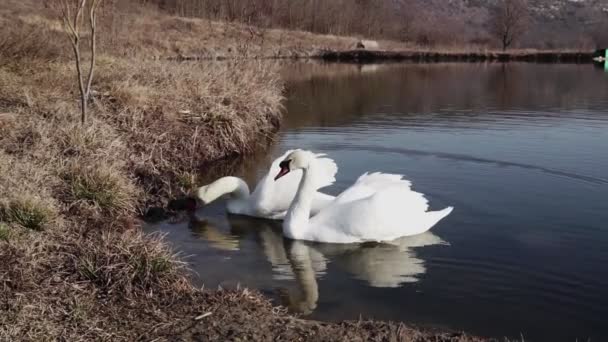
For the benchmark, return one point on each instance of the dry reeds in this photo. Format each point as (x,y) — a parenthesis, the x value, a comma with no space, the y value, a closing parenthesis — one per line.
(73,261)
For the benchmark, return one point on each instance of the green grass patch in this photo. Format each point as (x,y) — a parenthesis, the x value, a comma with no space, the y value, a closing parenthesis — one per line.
(5,233)
(187,181)
(103,187)
(26,213)
(98,190)
(160,265)
(88,270)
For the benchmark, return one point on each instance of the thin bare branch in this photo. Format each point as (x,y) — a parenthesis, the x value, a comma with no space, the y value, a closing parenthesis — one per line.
(71,13)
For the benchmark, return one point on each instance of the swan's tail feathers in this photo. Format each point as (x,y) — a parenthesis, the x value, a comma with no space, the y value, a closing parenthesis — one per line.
(435,216)
(326,172)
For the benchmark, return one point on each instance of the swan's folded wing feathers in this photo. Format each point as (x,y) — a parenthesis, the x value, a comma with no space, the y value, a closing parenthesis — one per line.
(325,172)
(368,184)
(385,215)
(276,196)
(380,180)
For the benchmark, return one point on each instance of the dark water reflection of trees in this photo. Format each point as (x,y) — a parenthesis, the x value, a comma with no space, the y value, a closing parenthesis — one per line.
(342,93)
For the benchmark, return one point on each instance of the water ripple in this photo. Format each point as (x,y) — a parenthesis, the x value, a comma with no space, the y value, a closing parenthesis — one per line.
(465,158)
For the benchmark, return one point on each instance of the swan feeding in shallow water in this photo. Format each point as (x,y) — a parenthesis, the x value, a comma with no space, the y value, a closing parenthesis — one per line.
(270,199)
(377,207)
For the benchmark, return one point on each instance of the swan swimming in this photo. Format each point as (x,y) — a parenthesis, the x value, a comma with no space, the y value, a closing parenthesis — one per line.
(270,199)
(377,207)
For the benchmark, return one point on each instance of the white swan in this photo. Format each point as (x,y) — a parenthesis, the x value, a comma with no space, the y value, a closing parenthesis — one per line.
(378,207)
(270,199)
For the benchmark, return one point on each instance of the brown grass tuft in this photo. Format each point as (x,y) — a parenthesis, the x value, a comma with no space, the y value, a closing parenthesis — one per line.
(101,186)
(130,264)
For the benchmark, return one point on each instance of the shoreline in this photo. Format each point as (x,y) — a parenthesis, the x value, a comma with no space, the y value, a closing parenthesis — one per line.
(368,56)
(371,56)
(386,56)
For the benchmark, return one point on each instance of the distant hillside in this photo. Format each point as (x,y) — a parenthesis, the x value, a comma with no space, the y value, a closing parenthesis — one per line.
(554,23)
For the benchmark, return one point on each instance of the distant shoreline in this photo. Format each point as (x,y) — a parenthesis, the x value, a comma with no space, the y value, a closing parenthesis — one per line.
(379,56)
(373,56)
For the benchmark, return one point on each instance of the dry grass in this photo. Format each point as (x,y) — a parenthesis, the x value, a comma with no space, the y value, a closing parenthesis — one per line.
(74,264)
(5,233)
(130,263)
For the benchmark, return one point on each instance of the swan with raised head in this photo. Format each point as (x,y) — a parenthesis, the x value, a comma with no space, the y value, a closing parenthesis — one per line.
(270,199)
(377,207)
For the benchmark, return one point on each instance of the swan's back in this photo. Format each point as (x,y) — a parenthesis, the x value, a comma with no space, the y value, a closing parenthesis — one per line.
(369,184)
(378,207)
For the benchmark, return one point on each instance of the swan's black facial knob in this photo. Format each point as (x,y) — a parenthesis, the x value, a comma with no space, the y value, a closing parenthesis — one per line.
(284,165)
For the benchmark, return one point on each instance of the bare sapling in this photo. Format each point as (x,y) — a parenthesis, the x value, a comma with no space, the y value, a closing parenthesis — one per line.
(509,21)
(71,13)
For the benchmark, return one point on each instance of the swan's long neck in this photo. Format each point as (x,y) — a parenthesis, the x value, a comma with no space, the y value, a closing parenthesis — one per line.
(236,187)
(297,216)
(240,189)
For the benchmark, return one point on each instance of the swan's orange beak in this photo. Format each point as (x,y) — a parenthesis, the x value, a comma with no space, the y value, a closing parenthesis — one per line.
(284,169)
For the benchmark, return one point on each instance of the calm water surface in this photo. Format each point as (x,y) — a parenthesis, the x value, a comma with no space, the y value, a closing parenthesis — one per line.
(520,151)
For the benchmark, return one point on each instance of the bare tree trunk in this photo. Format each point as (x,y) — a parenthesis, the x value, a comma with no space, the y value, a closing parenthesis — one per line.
(72,24)
(93,44)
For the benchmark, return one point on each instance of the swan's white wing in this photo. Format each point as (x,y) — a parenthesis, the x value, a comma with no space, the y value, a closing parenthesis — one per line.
(271,197)
(368,184)
(391,212)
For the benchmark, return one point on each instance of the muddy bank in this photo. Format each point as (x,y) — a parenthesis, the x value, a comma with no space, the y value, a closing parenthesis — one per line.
(369,56)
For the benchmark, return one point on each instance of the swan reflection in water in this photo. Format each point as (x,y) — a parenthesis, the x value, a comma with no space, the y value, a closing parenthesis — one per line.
(388,264)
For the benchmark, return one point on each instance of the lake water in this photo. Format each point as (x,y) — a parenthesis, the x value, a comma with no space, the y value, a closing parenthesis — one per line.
(520,151)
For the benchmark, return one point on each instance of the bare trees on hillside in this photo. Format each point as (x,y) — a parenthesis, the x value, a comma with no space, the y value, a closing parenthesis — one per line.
(340,17)
(402,20)
(494,23)
(509,21)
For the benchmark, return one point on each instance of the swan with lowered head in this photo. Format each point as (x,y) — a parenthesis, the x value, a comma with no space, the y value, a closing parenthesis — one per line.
(377,207)
(270,199)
